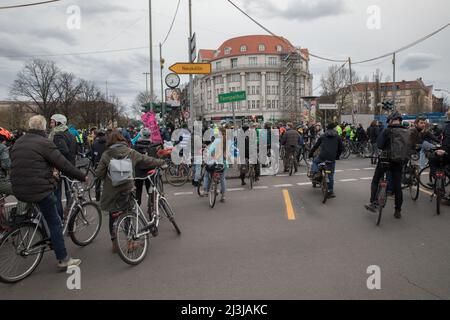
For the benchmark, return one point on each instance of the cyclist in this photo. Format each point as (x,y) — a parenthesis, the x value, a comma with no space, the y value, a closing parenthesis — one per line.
(243,167)
(444,150)
(33,158)
(67,145)
(330,145)
(143,147)
(373,132)
(290,141)
(117,148)
(395,168)
(98,147)
(423,139)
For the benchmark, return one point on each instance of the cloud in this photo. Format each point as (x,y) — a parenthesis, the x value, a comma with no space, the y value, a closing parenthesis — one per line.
(419,61)
(302,10)
(92,8)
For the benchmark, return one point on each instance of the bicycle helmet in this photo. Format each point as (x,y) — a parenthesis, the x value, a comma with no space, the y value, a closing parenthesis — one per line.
(59,118)
(5,133)
(394,116)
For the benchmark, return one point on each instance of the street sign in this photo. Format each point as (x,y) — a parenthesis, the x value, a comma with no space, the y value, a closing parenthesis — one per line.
(192,48)
(232,97)
(191,68)
(326,106)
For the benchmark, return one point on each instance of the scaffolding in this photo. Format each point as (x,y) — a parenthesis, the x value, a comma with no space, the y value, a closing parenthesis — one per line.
(291,66)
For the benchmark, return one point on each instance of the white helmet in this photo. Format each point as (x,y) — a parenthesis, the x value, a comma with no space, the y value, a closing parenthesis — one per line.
(59,118)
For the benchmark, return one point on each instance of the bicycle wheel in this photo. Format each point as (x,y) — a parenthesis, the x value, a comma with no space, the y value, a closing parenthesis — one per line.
(159,183)
(414,186)
(200,182)
(132,249)
(165,207)
(17,261)
(213,193)
(346,153)
(425,178)
(382,193)
(177,175)
(439,192)
(85,223)
(324,185)
(291,165)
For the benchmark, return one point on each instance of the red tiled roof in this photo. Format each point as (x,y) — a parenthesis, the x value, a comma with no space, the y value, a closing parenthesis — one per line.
(252,42)
(205,55)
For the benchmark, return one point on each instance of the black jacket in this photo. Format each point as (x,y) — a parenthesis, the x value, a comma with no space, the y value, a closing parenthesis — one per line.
(330,146)
(446,137)
(384,139)
(33,158)
(67,145)
(98,147)
(373,132)
(290,138)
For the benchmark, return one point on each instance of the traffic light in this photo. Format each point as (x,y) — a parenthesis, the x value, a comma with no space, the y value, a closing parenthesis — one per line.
(161,62)
(388,105)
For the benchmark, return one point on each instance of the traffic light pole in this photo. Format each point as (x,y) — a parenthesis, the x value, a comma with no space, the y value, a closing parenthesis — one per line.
(394,92)
(151,53)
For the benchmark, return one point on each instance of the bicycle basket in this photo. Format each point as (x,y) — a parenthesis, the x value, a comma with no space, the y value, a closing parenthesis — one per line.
(10,215)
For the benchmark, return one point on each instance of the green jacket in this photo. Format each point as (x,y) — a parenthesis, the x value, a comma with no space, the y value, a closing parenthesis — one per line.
(110,194)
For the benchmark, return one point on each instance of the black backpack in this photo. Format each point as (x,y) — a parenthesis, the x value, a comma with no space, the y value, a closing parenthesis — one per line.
(400,147)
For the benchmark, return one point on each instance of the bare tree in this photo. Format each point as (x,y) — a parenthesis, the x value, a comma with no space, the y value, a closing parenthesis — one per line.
(68,89)
(37,82)
(141,99)
(90,104)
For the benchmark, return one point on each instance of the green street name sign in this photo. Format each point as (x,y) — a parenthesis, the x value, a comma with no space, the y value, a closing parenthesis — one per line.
(232,97)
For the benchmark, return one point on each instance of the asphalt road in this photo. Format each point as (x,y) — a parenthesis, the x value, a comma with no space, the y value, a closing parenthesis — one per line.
(250,248)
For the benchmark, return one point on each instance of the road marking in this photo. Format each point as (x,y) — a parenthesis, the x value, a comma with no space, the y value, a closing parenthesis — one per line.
(260,187)
(366,178)
(369,169)
(426,191)
(289,208)
(338,170)
(236,189)
(282,175)
(301,174)
(184,193)
(348,180)
(283,185)
(304,183)
(354,170)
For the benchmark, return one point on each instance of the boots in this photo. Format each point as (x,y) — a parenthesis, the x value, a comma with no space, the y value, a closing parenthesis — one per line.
(397,214)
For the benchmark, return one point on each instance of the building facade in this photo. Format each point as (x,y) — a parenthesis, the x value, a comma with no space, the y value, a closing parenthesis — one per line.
(411,97)
(273,73)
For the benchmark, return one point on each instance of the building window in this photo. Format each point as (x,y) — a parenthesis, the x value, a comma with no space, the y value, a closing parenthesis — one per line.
(261,47)
(209,94)
(269,104)
(234,63)
(258,105)
(268,90)
(243,48)
(253,90)
(227,50)
(253,61)
(248,104)
(272,76)
(279,48)
(253,104)
(218,65)
(274,90)
(254,76)
(257,89)
(272,61)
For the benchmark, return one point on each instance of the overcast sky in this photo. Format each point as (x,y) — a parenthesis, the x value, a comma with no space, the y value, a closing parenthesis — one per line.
(331,28)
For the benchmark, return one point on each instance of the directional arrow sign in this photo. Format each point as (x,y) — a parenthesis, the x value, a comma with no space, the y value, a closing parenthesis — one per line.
(191,68)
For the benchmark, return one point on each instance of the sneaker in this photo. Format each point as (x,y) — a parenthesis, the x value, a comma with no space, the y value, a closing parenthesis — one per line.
(195,183)
(243,183)
(371,207)
(331,195)
(397,214)
(222,198)
(70,262)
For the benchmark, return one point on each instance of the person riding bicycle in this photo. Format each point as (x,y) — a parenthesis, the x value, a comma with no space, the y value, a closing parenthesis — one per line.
(422,139)
(443,151)
(117,148)
(361,134)
(67,145)
(34,158)
(243,167)
(373,132)
(290,141)
(330,145)
(390,152)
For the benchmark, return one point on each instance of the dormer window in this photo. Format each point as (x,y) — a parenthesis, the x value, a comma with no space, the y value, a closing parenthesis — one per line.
(244,48)
(216,54)
(279,48)
(227,50)
(262,47)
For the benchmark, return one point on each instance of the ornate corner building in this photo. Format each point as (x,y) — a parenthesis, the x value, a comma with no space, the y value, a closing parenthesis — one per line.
(273,73)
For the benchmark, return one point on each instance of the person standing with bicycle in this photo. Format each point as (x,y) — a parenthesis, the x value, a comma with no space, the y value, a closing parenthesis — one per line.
(117,148)
(98,147)
(443,152)
(243,168)
(34,158)
(395,144)
(373,132)
(290,141)
(330,145)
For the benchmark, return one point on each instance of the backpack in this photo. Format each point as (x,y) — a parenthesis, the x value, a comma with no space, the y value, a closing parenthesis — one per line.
(120,171)
(400,148)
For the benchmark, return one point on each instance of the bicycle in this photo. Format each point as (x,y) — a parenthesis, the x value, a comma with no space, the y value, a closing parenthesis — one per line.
(214,171)
(132,228)
(323,178)
(410,179)
(23,246)
(439,181)
(382,189)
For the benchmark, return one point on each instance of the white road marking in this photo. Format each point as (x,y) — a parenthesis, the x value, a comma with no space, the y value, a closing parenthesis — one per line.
(369,169)
(283,185)
(338,170)
(184,193)
(260,187)
(304,183)
(236,189)
(366,178)
(354,170)
(348,180)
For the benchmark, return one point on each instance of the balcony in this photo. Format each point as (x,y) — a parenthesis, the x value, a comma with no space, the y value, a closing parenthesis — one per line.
(242,67)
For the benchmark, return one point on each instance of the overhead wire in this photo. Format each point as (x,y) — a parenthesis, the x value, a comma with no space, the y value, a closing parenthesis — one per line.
(171,25)
(28,4)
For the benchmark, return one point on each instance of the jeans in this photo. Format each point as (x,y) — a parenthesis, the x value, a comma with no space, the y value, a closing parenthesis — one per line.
(58,194)
(332,167)
(396,172)
(197,172)
(223,183)
(373,159)
(49,210)
(426,146)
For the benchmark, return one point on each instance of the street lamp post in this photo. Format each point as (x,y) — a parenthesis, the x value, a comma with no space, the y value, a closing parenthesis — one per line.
(151,53)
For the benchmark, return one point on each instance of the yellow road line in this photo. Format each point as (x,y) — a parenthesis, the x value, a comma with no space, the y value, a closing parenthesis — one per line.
(426,191)
(288,203)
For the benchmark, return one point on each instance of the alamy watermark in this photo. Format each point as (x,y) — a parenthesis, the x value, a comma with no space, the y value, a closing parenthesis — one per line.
(74,19)
(374,280)
(374,19)
(74,280)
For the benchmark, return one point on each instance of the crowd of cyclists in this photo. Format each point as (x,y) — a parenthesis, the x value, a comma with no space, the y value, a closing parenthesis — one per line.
(34,164)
